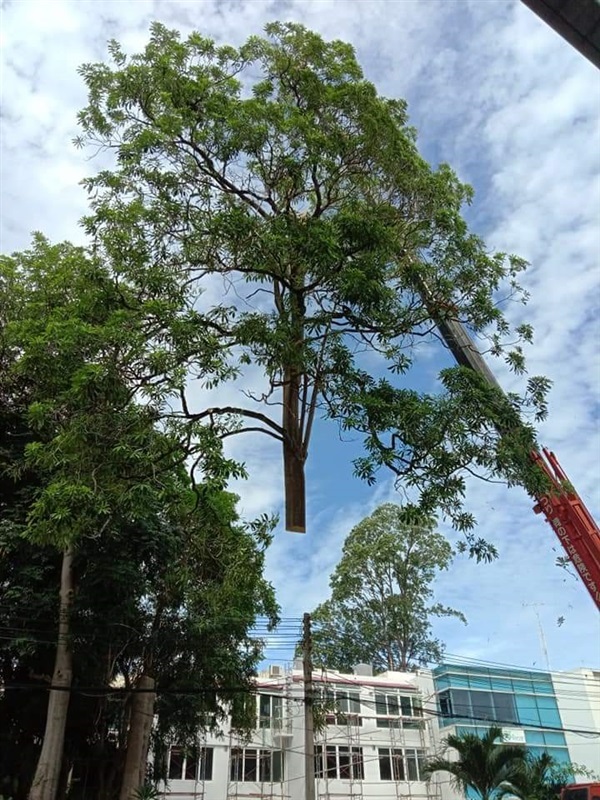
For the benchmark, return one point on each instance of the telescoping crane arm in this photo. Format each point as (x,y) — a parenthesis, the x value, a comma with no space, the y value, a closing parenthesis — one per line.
(563,509)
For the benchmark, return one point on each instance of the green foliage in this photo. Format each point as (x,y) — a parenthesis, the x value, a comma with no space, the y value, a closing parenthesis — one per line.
(381,608)
(481,764)
(277,169)
(168,578)
(147,792)
(542,778)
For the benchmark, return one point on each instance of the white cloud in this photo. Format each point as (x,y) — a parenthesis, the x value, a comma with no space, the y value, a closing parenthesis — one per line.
(515,110)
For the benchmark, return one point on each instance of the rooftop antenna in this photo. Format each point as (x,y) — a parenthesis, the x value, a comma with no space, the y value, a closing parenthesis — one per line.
(543,644)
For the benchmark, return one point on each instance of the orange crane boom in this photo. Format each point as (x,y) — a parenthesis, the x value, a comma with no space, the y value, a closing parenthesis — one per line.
(563,509)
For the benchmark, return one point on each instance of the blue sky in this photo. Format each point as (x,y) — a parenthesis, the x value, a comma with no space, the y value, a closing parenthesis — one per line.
(516,112)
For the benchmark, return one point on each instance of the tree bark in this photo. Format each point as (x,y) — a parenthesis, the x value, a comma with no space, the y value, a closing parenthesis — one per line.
(293,462)
(138,740)
(47,774)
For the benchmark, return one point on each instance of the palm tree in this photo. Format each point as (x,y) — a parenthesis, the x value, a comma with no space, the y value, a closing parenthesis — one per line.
(484,764)
(536,778)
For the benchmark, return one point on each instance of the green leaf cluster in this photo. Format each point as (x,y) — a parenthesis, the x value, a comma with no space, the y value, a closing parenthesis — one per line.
(381,606)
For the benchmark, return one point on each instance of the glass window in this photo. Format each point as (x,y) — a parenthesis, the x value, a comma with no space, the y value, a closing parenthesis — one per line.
(344,762)
(548,712)
(342,706)
(480,682)
(555,738)
(534,737)
(502,684)
(527,710)
(176,763)
(504,706)
(331,762)
(412,767)
(561,754)
(270,711)
(405,706)
(358,767)
(250,765)
(191,765)
(237,762)
(398,765)
(482,705)
(461,703)
(391,764)
(445,704)
(206,764)
(385,764)
(339,761)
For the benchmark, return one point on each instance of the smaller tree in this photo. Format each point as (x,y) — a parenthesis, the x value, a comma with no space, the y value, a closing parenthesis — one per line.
(542,777)
(381,602)
(483,763)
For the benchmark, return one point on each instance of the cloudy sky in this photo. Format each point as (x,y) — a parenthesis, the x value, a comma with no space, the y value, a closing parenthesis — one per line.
(516,111)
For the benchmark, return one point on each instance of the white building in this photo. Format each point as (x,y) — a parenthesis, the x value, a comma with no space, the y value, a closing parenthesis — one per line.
(375,732)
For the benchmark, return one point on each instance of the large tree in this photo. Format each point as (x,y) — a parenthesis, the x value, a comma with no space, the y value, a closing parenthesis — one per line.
(274,177)
(381,605)
(85,382)
(482,764)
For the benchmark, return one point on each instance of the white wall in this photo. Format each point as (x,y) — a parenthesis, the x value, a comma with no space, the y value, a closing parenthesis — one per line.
(578,698)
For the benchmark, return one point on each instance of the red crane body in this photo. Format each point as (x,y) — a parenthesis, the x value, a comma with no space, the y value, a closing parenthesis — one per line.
(564,510)
(571,521)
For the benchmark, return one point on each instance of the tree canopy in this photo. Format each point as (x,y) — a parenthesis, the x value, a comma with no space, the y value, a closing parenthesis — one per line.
(381,605)
(162,578)
(287,201)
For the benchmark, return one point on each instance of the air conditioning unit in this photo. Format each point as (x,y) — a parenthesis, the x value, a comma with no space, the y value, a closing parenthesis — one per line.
(275,671)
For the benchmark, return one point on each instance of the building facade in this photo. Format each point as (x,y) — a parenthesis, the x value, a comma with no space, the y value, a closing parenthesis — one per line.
(375,732)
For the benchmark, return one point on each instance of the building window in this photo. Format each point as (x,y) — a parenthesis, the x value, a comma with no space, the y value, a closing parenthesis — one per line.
(191,764)
(270,711)
(339,761)
(391,707)
(401,764)
(342,706)
(253,765)
(479,706)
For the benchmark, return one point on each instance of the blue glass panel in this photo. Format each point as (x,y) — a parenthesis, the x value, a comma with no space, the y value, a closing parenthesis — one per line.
(460,681)
(543,687)
(561,754)
(548,711)
(522,685)
(442,682)
(480,682)
(502,684)
(527,709)
(534,737)
(536,751)
(553,738)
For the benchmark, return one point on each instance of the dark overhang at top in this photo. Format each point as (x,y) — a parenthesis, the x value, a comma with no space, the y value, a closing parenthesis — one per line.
(577,21)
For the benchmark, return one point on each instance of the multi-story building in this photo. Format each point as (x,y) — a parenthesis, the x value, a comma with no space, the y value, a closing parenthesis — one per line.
(375,732)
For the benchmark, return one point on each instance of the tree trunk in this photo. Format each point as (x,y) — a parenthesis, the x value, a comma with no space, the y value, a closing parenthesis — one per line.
(47,775)
(138,740)
(293,463)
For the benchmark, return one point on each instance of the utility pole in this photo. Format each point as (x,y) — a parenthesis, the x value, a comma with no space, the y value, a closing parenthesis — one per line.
(309,724)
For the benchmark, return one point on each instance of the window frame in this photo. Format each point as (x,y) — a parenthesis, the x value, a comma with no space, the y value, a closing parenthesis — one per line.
(401,762)
(262,762)
(202,756)
(401,709)
(274,720)
(339,762)
(339,696)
